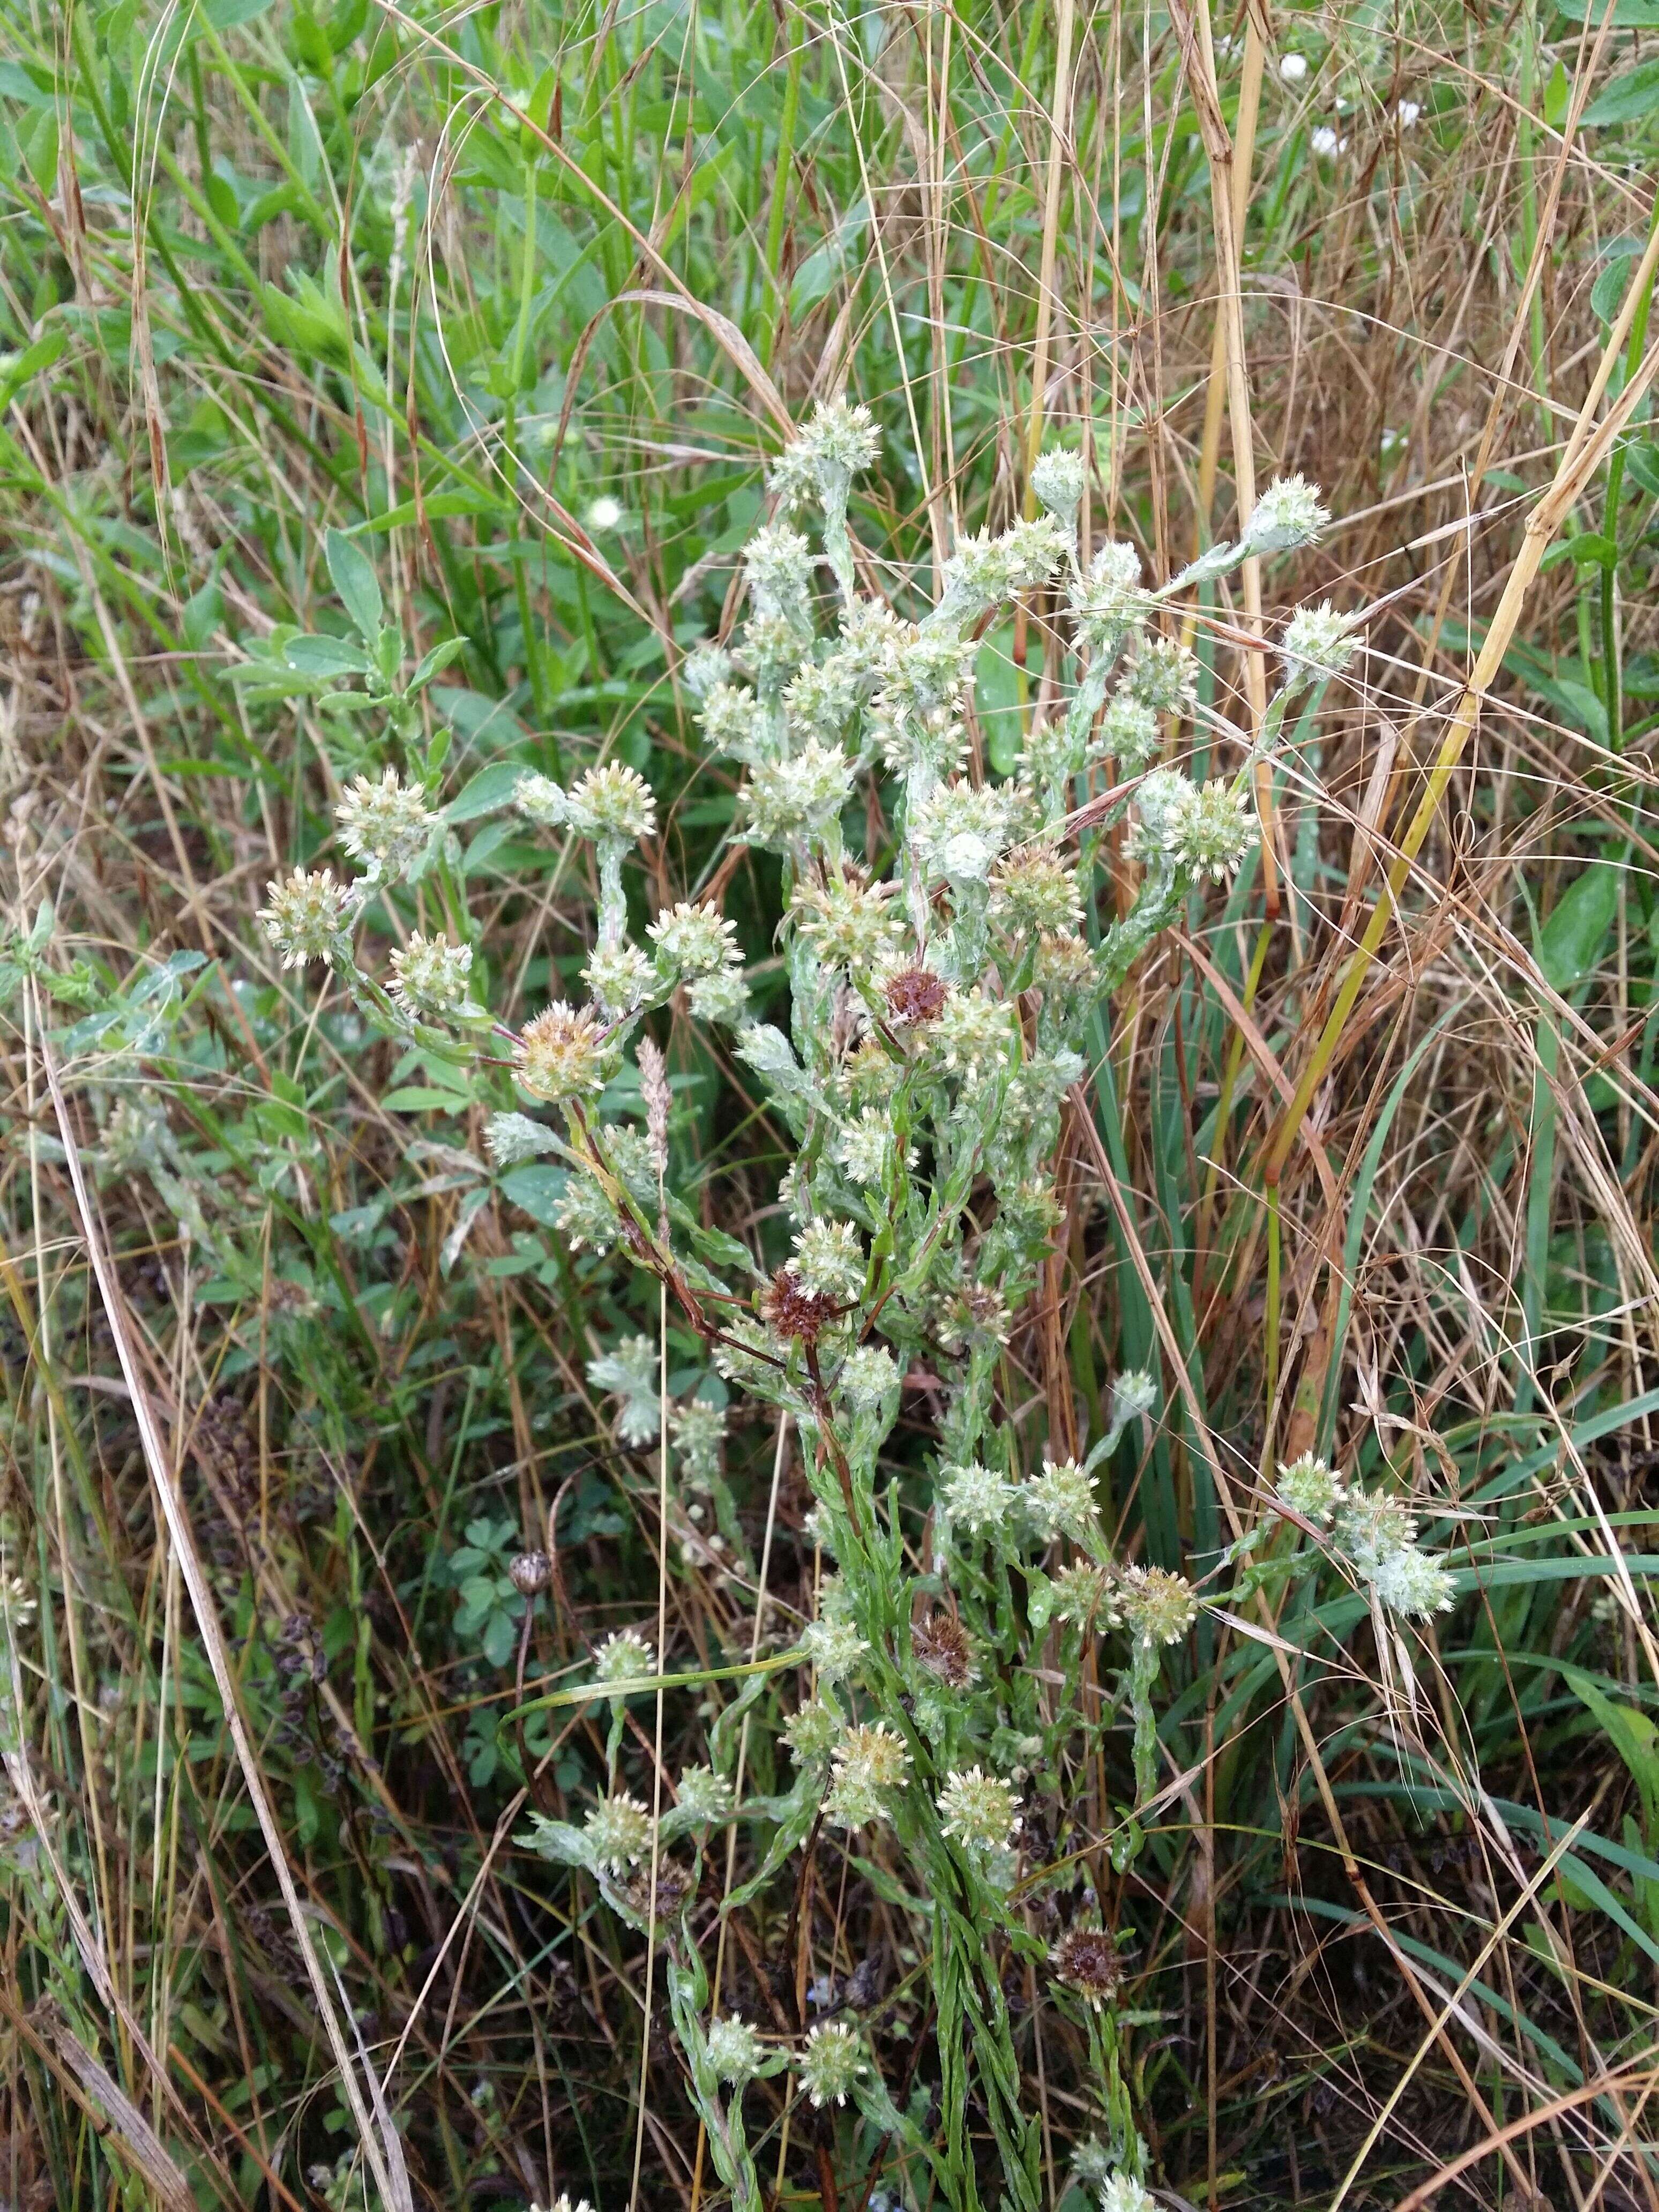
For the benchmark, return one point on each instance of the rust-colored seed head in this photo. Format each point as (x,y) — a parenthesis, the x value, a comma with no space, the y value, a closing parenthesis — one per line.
(673,1888)
(943,1647)
(532,1572)
(787,1306)
(1085,1959)
(917,995)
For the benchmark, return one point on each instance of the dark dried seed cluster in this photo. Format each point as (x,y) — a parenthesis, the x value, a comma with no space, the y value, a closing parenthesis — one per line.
(531,1571)
(787,1306)
(917,995)
(1085,1959)
(943,1646)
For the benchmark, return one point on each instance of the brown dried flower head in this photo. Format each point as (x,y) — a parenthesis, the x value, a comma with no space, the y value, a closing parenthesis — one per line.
(917,995)
(673,1888)
(787,1306)
(531,1572)
(942,1646)
(1085,1959)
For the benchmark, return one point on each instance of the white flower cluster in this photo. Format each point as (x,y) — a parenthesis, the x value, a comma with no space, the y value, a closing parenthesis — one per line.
(1376,1533)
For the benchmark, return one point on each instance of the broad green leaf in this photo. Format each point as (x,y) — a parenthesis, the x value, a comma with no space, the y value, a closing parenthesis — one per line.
(1627,98)
(355,581)
(326,656)
(1570,942)
(490,789)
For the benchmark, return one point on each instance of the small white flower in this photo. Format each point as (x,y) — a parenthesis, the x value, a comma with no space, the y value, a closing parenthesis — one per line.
(1292,68)
(618,1832)
(385,825)
(977,1498)
(830,1260)
(1326,143)
(1288,515)
(978,1810)
(1409,112)
(1061,1499)
(1058,477)
(307,916)
(540,801)
(1309,1486)
(870,1375)
(703,1795)
(625,1657)
(830,2063)
(734,2050)
(1413,1583)
(835,1648)
(605,514)
(720,997)
(430,977)
(1123,2193)
(693,940)
(621,978)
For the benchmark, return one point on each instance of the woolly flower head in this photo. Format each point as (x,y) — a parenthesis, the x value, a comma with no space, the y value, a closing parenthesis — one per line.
(307,917)
(984,570)
(835,1648)
(703,1795)
(563,2203)
(820,697)
(721,996)
(625,1657)
(777,565)
(697,1431)
(1092,2165)
(1057,478)
(705,667)
(960,829)
(540,801)
(630,1373)
(1212,829)
(868,1762)
(621,977)
(561,1053)
(430,977)
(1037,892)
(812,1731)
(1157,1607)
(1310,1486)
(514,1137)
(1371,1526)
(838,443)
(693,940)
(1159,798)
(734,2051)
(1107,599)
(1317,645)
(612,805)
(584,1215)
(1164,676)
(1412,1582)
(619,1830)
(977,1498)
(385,825)
(1134,1394)
(918,708)
(1121,2193)
(733,722)
(1061,1499)
(974,1037)
(868,1377)
(866,1147)
(1078,1593)
(978,1810)
(791,800)
(830,1261)
(1130,732)
(830,2063)
(1287,515)
(847,923)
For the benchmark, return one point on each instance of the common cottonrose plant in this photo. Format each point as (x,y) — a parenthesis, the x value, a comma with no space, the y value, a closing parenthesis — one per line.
(943,965)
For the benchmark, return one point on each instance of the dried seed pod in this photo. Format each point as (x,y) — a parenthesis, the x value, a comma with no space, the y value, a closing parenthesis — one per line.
(531,1572)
